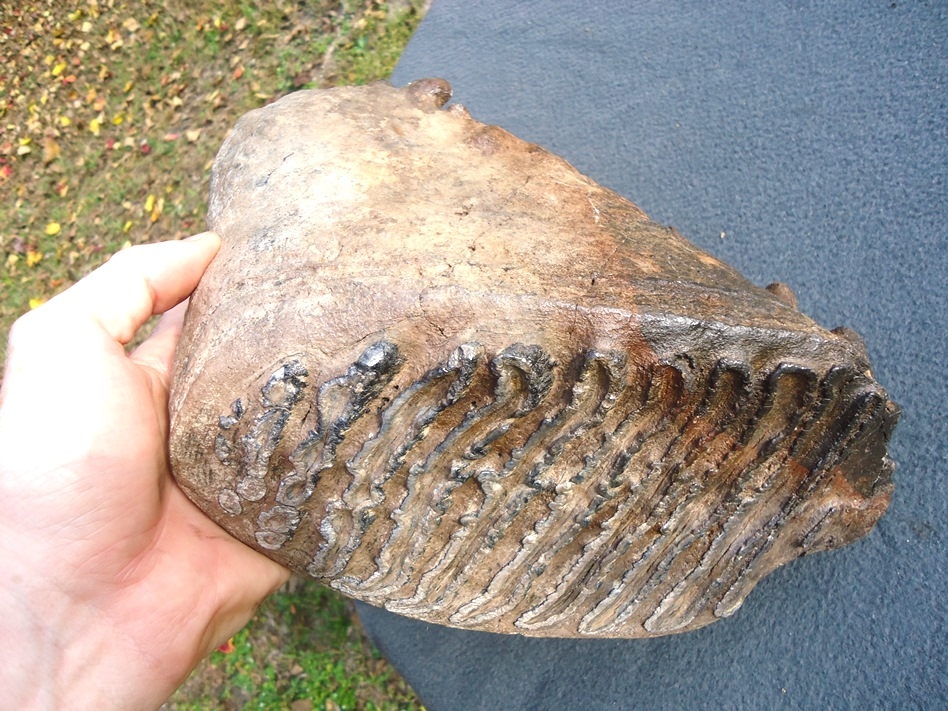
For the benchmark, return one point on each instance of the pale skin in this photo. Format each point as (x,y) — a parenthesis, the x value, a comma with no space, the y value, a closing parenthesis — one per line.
(113,585)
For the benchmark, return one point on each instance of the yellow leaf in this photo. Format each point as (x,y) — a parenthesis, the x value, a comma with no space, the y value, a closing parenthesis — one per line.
(33,258)
(53,228)
(128,86)
(127,226)
(150,203)
(118,118)
(36,303)
(131,24)
(49,59)
(12,260)
(156,213)
(73,16)
(86,27)
(95,127)
(26,141)
(59,69)
(64,121)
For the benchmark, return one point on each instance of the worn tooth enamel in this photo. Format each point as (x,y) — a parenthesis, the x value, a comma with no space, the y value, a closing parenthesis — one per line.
(438,369)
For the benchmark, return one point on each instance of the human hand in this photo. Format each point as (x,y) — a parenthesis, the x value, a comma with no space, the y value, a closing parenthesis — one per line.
(113,585)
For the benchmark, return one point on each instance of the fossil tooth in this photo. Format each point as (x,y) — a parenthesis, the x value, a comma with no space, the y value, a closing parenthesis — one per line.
(436,368)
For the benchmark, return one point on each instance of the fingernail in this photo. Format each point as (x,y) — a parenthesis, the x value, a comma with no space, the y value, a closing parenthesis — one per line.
(198,237)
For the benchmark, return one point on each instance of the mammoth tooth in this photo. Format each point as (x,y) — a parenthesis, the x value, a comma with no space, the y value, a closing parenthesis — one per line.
(436,368)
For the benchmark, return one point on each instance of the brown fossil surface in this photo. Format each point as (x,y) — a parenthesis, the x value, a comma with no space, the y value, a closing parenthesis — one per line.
(439,370)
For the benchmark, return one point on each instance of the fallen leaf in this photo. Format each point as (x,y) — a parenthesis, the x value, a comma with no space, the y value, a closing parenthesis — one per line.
(51,150)
(127,226)
(95,127)
(59,69)
(227,647)
(33,258)
(159,208)
(150,203)
(239,72)
(193,135)
(64,121)
(36,303)
(53,228)
(23,150)
(240,24)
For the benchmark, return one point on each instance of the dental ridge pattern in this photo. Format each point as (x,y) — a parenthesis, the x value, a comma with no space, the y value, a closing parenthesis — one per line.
(585,478)
(604,471)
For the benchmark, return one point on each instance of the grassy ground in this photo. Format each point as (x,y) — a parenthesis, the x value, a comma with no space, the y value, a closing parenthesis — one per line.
(302,652)
(111,112)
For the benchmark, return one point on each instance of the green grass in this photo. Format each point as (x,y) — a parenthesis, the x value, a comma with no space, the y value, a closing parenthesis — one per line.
(321,660)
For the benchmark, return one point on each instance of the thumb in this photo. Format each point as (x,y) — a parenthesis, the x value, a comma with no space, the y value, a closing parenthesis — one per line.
(135,284)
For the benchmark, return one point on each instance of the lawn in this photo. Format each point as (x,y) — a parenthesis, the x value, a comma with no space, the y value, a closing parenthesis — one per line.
(112,112)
